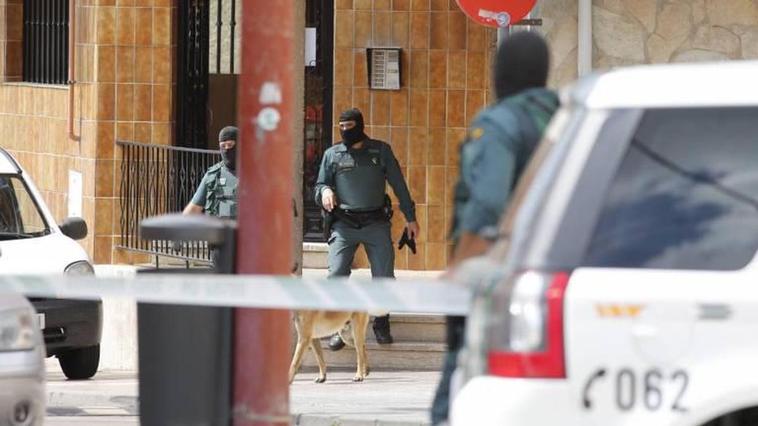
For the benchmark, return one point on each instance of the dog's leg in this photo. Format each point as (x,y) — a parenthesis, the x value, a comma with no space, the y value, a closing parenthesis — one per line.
(297,358)
(360,324)
(303,326)
(316,345)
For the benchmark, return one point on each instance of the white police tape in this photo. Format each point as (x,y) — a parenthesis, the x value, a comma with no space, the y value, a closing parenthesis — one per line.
(252,291)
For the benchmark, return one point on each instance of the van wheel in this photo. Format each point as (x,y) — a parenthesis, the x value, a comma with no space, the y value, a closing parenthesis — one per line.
(80,364)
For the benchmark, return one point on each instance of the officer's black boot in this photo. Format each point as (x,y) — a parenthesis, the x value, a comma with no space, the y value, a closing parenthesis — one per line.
(382,330)
(336,343)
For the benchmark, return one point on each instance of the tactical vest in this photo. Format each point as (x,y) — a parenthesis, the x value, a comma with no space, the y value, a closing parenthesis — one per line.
(221,193)
(360,178)
(533,117)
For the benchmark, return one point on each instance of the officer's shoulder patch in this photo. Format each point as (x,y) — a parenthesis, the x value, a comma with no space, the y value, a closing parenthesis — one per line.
(476,133)
(216,167)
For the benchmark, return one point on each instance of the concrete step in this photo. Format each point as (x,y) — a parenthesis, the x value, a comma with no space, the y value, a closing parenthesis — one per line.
(419,345)
(416,328)
(315,255)
(399,356)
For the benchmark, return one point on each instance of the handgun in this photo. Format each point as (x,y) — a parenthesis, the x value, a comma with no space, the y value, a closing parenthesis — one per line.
(405,240)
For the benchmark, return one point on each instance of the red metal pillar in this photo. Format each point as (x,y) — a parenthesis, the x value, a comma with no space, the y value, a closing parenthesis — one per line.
(265,96)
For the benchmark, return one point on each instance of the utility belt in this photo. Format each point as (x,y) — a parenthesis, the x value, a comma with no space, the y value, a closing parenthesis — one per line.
(357,219)
(361,219)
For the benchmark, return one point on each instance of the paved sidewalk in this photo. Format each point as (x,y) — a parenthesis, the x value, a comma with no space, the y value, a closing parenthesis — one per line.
(385,398)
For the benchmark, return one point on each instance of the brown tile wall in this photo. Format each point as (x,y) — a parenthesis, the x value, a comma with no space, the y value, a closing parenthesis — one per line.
(124,91)
(445,70)
(33,121)
(10,39)
(134,69)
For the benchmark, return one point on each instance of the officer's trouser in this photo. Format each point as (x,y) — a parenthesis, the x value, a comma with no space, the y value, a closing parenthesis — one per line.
(376,239)
(456,327)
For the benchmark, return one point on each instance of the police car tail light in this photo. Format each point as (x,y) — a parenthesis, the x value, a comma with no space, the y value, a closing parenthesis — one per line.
(529,341)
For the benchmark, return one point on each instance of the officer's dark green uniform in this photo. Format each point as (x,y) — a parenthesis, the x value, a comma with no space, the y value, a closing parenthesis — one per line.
(217,192)
(358,177)
(499,144)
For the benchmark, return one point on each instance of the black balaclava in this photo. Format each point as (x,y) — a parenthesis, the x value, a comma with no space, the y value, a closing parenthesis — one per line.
(352,136)
(229,156)
(522,62)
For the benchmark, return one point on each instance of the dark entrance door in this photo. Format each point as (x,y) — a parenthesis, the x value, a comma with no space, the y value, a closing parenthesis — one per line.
(318,110)
(192,74)
(207,70)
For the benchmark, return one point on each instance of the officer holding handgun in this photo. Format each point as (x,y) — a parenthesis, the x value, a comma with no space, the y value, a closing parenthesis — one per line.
(351,189)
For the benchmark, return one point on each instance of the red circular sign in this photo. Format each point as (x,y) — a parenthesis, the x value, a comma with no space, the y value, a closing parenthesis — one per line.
(496,13)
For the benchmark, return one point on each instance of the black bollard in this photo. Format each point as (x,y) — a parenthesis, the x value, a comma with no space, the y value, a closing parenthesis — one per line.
(185,352)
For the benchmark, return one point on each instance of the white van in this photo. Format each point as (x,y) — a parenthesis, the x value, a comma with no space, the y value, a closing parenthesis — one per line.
(32,243)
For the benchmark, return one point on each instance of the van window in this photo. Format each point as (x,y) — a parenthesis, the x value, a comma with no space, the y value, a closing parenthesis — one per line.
(686,194)
(19,214)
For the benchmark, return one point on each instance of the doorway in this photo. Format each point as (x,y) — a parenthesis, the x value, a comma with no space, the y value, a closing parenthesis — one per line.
(208,65)
(319,24)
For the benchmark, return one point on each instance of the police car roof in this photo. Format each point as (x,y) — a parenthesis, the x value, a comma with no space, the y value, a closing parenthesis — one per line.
(675,85)
(8,164)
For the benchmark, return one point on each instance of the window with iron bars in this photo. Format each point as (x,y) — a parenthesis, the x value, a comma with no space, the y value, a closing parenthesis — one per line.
(224,36)
(45,41)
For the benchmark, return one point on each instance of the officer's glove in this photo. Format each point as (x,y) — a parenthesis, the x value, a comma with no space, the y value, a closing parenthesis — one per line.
(405,240)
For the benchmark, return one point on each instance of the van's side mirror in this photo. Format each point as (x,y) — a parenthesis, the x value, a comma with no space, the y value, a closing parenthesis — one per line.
(74,228)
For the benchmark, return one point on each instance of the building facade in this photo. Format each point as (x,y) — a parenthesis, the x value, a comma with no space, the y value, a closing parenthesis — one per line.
(124,85)
(132,70)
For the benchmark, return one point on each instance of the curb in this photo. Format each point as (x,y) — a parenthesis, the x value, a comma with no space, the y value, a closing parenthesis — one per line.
(316,420)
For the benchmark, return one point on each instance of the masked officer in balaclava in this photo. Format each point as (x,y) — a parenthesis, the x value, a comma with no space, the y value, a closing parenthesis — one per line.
(498,146)
(351,187)
(217,193)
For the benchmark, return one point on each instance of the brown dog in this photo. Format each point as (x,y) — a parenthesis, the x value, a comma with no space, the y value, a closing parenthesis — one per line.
(313,325)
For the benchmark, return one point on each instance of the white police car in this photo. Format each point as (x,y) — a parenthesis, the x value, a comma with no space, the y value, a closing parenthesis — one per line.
(32,243)
(624,289)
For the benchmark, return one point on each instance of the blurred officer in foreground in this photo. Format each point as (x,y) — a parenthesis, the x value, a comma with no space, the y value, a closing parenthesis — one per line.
(217,193)
(498,146)
(351,189)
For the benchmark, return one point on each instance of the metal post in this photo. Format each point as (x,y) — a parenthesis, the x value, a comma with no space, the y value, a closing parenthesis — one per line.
(266,90)
(584,50)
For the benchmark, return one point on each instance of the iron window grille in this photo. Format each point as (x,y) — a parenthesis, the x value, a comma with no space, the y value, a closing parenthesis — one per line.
(224,36)
(45,41)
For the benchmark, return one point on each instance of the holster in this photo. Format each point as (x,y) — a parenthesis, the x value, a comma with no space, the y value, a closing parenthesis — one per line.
(388,212)
(328,220)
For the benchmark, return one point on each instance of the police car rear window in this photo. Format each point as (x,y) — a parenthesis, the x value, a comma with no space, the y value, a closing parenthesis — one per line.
(685,195)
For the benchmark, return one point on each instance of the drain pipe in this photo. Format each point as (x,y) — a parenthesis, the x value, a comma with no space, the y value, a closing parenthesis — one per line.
(71,67)
(584,44)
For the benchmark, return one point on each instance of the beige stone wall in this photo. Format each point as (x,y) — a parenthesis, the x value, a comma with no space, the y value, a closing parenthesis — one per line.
(656,31)
(560,28)
(631,32)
